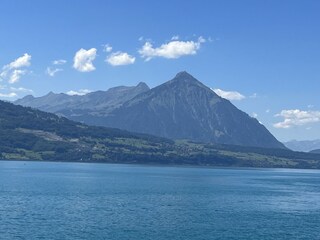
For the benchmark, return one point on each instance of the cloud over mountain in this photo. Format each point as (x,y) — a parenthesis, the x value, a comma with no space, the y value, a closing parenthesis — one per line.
(8,95)
(80,92)
(297,117)
(23,61)
(83,59)
(120,58)
(230,95)
(12,72)
(171,50)
(52,71)
(59,62)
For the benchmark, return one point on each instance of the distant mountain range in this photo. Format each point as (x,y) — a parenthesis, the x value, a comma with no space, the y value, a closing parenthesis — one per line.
(29,134)
(182,108)
(90,106)
(303,146)
(315,151)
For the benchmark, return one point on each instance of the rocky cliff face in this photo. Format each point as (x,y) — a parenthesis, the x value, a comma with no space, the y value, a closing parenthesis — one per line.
(182,108)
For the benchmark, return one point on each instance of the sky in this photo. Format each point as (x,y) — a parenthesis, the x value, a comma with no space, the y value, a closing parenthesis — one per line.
(264,56)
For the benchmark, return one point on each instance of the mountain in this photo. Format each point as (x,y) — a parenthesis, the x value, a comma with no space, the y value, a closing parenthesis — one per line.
(92,104)
(29,134)
(315,151)
(303,146)
(182,108)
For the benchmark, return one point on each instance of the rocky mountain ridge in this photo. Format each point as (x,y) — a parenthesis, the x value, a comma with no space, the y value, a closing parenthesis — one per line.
(303,146)
(182,108)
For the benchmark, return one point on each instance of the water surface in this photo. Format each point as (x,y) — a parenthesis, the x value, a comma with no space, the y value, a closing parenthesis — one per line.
(107,201)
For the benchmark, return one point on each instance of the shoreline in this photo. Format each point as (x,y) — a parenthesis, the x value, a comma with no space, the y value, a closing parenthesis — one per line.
(168,165)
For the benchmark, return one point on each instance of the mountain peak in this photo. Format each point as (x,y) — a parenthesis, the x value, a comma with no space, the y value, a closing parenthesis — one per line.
(185,79)
(182,108)
(28,97)
(143,85)
(185,108)
(184,75)
(50,93)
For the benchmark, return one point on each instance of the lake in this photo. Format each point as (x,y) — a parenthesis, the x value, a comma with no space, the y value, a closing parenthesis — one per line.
(42,200)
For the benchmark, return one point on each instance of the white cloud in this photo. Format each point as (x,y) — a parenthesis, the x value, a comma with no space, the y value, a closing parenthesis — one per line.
(8,95)
(107,48)
(23,61)
(120,58)
(201,39)
(11,92)
(230,95)
(2,76)
(171,50)
(176,37)
(80,92)
(12,72)
(59,62)
(21,89)
(268,111)
(52,71)
(83,59)
(16,75)
(297,117)
(255,115)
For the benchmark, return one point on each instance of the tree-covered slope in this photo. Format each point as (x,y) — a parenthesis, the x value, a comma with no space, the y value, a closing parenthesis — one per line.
(29,134)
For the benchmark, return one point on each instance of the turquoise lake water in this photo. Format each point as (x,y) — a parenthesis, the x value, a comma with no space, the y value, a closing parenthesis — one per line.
(106,201)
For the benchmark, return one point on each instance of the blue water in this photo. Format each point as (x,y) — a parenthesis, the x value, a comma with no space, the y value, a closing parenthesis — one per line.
(105,201)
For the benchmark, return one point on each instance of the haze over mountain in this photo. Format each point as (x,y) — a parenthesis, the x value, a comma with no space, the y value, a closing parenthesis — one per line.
(182,108)
(303,146)
(97,103)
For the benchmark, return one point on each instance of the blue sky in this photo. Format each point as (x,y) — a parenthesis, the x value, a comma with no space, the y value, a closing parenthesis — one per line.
(267,51)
